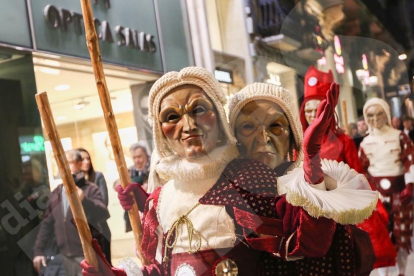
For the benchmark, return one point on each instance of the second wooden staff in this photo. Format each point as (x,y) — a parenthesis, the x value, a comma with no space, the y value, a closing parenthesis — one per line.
(68,182)
(93,46)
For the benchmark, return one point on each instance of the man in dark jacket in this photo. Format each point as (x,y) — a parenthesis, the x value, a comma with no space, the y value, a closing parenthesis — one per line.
(59,220)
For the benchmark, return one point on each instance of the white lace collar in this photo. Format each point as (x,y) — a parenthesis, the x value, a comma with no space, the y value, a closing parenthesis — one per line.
(208,166)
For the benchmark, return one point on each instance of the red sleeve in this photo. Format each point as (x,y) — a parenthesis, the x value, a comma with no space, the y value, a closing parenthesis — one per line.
(149,227)
(406,151)
(363,159)
(293,233)
(351,154)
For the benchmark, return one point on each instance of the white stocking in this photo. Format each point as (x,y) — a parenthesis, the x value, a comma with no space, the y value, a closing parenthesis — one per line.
(383,271)
(402,261)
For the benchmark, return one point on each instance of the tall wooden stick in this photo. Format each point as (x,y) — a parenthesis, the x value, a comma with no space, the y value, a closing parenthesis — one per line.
(68,182)
(95,53)
(345,116)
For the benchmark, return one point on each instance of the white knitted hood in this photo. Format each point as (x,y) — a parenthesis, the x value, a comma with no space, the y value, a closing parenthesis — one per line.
(276,94)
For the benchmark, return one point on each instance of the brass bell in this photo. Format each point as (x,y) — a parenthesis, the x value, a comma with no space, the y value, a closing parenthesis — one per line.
(226,267)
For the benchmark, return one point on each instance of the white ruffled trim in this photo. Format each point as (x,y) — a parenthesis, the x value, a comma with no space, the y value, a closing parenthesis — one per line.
(131,268)
(347,200)
(213,164)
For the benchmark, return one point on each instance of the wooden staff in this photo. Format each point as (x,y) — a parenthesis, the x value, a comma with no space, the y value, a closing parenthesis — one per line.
(95,53)
(345,116)
(68,182)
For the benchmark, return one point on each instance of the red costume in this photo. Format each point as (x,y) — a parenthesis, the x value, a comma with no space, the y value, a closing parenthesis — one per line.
(340,147)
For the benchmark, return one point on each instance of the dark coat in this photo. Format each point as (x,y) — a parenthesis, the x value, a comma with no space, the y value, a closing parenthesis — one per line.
(64,229)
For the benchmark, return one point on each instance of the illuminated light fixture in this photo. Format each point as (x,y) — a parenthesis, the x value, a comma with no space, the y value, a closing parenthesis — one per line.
(80,105)
(62,87)
(274,79)
(50,71)
(402,57)
(373,80)
(61,118)
(364,62)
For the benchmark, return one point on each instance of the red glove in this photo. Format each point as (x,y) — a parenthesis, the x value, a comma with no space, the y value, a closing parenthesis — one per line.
(407,194)
(125,198)
(315,133)
(105,268)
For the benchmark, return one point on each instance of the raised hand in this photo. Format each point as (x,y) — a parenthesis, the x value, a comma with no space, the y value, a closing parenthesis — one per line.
(315,133)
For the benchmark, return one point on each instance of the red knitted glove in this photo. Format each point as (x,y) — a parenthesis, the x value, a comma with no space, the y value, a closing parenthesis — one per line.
(315,133)
(407,194)
(126,199)
(105,268)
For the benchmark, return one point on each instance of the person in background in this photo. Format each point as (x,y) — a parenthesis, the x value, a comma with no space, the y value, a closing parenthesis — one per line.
(58,220)
(139,172)
(99,179)
(362,127)
(353,130)
(396,123)
(408,126)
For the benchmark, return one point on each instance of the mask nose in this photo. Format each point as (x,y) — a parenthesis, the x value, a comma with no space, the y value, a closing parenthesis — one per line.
(189,124)
(262,136)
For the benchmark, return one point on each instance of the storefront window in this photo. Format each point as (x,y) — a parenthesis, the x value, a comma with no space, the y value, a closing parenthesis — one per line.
(71,89)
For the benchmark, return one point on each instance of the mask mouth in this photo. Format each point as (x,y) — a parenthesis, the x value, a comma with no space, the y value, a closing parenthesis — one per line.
(192,137)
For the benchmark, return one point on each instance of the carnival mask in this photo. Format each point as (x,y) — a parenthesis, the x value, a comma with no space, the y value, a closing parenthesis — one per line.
(262,129)
(376,116)
(311,107)
(189,121)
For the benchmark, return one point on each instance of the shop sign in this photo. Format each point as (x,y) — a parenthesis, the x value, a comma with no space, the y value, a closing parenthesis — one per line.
(14,23)
(31,144)
(127,30)
(224,76)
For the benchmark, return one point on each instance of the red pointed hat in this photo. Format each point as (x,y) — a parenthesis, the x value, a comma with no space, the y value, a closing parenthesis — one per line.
(317,83)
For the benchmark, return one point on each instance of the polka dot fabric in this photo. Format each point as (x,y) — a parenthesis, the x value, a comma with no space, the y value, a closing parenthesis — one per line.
(247,185)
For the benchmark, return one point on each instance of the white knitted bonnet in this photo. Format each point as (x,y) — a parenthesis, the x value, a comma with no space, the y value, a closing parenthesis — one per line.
(194,76)
(273,93)
(380,102)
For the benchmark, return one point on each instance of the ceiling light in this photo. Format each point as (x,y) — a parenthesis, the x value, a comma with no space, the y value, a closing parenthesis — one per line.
(402,57)
(62,87)
(61,118)
(80,105)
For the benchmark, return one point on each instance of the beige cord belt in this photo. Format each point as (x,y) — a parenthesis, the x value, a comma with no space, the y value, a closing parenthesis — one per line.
(192,233)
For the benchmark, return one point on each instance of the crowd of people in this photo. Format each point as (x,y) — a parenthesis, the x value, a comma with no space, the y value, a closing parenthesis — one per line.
(261,190)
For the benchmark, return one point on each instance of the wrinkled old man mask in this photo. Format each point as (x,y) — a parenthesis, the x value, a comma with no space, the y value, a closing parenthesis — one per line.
(376,116)
(311,107)
(189,121)
(262,129)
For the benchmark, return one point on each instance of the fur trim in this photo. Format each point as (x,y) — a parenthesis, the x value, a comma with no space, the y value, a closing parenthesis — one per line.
(208,166)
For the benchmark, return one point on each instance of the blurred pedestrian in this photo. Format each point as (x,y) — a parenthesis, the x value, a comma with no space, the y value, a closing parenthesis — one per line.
(362,127)
(99,179)
(353,130)
(139,172)
(396,123)
(408,126)
(59,221)
(93,176)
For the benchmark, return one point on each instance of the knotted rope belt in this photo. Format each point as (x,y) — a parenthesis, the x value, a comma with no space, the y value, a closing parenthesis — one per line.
(174,232)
